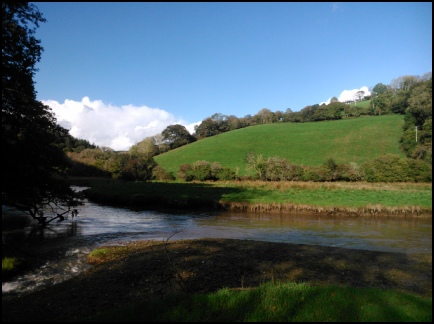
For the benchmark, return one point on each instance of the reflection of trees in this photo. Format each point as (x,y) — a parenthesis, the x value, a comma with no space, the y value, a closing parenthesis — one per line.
(43,232)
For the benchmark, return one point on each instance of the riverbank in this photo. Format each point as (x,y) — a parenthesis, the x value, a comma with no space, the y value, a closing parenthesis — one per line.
(330,198)
(144,270)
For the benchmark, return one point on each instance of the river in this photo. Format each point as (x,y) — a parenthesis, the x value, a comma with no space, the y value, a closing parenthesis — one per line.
(69,242)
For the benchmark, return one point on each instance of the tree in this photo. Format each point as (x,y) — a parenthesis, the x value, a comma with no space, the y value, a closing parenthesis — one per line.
(359,95)
(404,82)
(34,163)
(379,88)
(147,146)
(177,135)
(265,116)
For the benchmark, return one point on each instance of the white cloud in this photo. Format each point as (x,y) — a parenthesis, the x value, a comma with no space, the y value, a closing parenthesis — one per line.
(116,127)
(190,127)
(348,95)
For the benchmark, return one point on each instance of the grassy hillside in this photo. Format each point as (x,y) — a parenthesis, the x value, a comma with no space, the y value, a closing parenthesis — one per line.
(350,140)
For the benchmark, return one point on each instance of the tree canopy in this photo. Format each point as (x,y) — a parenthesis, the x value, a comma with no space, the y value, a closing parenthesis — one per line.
(177,135)
(34,163)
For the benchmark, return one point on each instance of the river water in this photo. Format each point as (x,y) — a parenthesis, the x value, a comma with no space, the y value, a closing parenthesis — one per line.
(69,242)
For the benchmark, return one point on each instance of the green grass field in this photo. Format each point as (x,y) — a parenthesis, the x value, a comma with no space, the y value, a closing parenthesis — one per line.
(349,140)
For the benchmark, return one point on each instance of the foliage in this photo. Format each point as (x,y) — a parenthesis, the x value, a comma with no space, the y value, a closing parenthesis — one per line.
(147,146)
(393,168)
(184,172)
(204,170)
(379,88)
(385,168)
(72,144)
(159,173)
(33,170)
(418,118)
(177,135)
(132,167)
(274,168)
(109,163)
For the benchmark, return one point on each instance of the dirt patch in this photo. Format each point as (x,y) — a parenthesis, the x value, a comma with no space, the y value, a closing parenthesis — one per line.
(150,269)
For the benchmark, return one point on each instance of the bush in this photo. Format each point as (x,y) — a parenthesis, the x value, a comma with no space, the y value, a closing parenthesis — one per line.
(221,173)
(280,169)
(159,173)
(203,171)
(385,168)
(392,168)
(349,172)
(184,172)
(418,170)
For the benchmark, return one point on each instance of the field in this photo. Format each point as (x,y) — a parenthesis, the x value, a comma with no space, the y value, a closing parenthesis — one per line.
(349,140)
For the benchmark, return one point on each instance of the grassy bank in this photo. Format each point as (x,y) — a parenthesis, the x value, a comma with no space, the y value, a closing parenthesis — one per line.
(398,199)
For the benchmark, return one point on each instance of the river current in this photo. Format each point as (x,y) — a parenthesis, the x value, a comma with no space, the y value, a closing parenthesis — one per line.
(70,241)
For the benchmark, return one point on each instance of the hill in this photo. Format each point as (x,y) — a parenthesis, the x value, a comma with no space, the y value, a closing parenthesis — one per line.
(349,140)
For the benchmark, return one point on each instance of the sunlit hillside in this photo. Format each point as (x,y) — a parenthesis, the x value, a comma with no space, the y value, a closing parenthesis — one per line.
(349,140)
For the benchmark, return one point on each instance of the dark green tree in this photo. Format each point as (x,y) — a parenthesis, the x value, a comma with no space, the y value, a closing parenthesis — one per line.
(177,135)
(34,163)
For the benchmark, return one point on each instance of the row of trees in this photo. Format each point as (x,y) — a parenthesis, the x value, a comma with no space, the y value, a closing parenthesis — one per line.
(385,168)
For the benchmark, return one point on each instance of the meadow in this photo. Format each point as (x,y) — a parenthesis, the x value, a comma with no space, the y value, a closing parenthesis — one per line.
(349,140)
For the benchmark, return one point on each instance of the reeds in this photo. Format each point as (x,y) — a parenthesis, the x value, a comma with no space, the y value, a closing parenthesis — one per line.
(369,210)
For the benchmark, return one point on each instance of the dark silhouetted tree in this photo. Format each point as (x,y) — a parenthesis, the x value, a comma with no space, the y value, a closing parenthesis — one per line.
(34,162)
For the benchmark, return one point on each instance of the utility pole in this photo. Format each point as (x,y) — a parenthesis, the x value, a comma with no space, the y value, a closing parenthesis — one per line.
(416,133)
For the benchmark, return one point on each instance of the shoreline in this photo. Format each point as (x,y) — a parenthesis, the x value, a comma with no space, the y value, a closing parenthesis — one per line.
(163,203)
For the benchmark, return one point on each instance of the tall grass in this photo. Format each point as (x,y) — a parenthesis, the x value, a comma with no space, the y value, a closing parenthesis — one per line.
(279,302)
(349,140)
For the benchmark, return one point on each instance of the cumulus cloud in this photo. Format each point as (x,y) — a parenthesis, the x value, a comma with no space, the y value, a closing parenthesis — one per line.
(348,95)
(116,127)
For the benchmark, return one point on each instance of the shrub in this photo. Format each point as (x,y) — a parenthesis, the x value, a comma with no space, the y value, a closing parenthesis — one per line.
(201,170)
(184,172)
(349,172)
(280,169)
(221,173)
(385,168)
(392,168)
(159,173)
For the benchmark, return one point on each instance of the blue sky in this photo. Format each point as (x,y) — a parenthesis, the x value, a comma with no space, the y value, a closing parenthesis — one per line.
(117,72)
